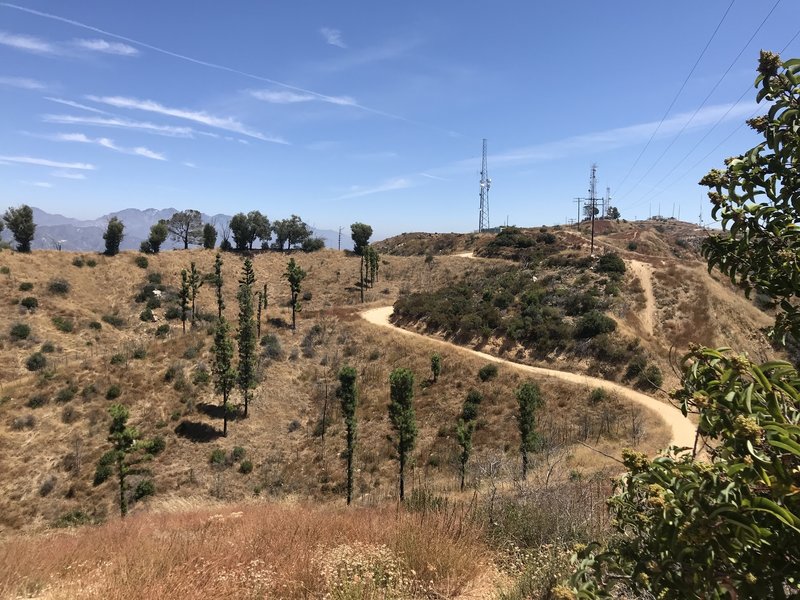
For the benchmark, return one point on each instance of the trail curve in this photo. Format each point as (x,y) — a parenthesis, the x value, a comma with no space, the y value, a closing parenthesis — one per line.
(683,431)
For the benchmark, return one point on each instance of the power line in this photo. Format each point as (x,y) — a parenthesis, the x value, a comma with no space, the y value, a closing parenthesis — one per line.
(675,99)
(705,100)
(747,90)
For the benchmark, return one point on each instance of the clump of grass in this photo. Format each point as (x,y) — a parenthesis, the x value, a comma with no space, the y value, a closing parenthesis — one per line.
(30,303)
(59,286)
(25,286)
(63,324)
(19,331)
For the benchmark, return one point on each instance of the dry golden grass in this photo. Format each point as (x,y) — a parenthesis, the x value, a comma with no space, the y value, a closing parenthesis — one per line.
(251,551)
(282,435)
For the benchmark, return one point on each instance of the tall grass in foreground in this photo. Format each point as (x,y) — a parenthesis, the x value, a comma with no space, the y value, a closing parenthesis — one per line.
(255,551)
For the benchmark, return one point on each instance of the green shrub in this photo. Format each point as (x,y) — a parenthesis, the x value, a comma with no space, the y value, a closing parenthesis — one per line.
(217,457)
(651,378)
(141,261)
(597,395)
(66,394)
(58,286)
(155,446)
(30,303)
(25,286)
(594,323)
(95,325)
(5,270)
(36,361)
(154,278)
(162,330)
(20,331)
(487,372)
(633,246)
(37,401)
(118,359)
(272,346)
(139,353)
(78,261)
(246,467)
(172,312)
(144,488)
(63,324)
(113,392)
(48,347)
(238,453)
(73,518)
(153,302)
(610,263)
(146,315)
(104,468)
(201,376)
(313,244)
(90,262)
(636,366)
(114,321)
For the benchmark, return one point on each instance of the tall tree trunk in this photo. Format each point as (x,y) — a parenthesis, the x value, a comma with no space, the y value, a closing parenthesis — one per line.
(349,464)
(245,404)
(294,304)
(361,275)
(524,465)
(402,477)
(463,474)
(225,415)
(258,320)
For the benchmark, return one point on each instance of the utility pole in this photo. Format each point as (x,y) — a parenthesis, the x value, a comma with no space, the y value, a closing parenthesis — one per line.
(593,201)
(578,202)
(486,183)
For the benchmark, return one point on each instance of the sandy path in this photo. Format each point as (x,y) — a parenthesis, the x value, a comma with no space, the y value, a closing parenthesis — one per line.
(465,255)
(644,272)
(683,431)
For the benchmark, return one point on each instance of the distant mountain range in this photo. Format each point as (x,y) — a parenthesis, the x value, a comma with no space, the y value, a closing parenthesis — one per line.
(87,235)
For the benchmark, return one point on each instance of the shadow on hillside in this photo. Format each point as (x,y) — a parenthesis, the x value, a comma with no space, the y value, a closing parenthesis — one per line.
(197,432)
(215,411)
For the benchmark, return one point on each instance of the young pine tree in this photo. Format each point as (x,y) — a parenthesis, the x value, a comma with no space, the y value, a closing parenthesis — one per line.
(183,295)
(436,366)
(348,396)
(246,335)
(403,420)
(465,428)
(530,400)
(195,282)
(218,284)
(295,276)
(360,234)
(123,439)
(222,368)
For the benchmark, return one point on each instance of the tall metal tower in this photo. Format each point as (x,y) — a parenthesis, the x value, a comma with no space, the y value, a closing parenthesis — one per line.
(486,183)
(592,201)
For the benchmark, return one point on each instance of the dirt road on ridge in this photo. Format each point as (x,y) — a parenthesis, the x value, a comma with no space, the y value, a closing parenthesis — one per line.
(683,431)
(644,272)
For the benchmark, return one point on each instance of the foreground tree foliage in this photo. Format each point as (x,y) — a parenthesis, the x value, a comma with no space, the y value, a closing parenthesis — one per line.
(158,235)
(20,223)
(209,236)
(246,335)
(123,440)
(348,396)
(728,526)
(295,276)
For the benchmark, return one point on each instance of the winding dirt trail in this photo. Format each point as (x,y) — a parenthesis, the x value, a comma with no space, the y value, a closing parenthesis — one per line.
(644,272)
(466,255)
(683,431)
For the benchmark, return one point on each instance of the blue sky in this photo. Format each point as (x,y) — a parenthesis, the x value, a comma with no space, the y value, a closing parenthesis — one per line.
(375,111)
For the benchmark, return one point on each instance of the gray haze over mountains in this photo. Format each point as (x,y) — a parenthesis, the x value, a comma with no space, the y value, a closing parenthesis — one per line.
(79,235)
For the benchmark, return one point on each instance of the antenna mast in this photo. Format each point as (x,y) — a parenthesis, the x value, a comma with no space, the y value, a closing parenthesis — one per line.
(593,200)
(483,217)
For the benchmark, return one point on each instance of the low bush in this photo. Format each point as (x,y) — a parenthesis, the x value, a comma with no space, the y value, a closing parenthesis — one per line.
(594,323)
(90,262)
(113,392)
(172,312)
(66,394)
(30,303)
(651,378)
(37,401)
(114,321)
(139,353)
(144,488)
(154,278)
(238,453)
(246,467)
(95,325)
(117,359)
(162,331)
(155,446)
(146,315)
(272,346)
(48,347)
(141,261)
(25,286)
(63,324)
(487,372)
(58,286)
(217,457)
(23,422)
(36,362)
(78,261)
(19,331)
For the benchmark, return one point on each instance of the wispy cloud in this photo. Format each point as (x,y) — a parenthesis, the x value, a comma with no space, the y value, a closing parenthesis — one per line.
(74,104)
(118,123)
(99,45)
(67,175)
(26,43)
(202,117)
(108,143)
(23,83)
(398,183)
(189,164)
(333,37)
(378,155)
(41,184)
(288,97)
(204,63)
(45,162)
(436,177)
